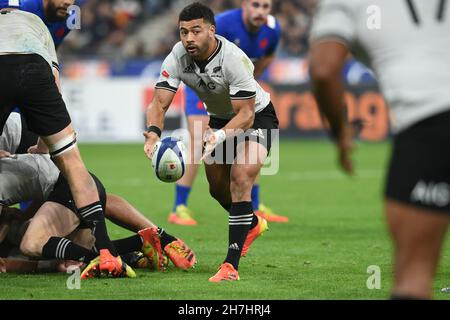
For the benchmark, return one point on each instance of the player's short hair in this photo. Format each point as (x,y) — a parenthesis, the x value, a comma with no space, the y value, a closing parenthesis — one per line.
(195,11)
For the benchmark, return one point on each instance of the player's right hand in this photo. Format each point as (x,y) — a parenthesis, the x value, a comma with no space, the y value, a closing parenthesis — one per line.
(211,140)
(150,141)
(345,148)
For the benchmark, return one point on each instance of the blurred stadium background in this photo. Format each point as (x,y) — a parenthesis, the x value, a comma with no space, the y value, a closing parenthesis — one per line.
(122,43)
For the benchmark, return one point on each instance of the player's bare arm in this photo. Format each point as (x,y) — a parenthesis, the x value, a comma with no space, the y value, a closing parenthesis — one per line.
(326,62)
(245,114)
(155,117)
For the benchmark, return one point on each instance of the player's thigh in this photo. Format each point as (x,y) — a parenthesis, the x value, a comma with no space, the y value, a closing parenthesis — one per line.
(51,220)
(250,156)
(418,235)
(41,103)
(413,226)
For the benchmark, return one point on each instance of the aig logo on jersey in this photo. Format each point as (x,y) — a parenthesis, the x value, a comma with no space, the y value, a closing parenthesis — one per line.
(209,85)
(431,193)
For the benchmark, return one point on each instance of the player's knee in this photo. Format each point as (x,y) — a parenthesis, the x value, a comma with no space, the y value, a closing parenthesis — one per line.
(30,247)
(240,181)
(240,187)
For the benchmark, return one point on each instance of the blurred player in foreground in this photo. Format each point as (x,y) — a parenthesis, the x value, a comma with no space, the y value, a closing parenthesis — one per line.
(407,46)
(222,75)
(257,33)
(30,81)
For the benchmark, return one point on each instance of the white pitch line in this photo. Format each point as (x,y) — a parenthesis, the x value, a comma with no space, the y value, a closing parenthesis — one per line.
(334,175)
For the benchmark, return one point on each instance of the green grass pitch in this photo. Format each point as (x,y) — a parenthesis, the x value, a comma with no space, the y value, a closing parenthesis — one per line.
(336,231)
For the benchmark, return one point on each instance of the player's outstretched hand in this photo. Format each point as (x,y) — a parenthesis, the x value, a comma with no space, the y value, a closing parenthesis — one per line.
(150,141)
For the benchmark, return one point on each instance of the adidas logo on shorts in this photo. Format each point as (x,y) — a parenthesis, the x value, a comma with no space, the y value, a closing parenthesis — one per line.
(258,133)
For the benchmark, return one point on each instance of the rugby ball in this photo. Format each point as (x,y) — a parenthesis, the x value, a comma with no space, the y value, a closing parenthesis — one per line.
(169,159)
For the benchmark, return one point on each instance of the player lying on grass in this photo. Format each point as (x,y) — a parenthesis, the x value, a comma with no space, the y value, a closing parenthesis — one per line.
(29,79)
(25,177)
(56,219)
(222,76)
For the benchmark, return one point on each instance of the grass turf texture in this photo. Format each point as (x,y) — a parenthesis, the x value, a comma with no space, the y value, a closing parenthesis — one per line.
(336,231)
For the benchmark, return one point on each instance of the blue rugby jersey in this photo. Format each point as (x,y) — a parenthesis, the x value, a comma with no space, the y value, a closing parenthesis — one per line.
(256,45)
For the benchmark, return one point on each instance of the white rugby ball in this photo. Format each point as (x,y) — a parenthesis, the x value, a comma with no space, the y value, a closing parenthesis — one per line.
(169,159)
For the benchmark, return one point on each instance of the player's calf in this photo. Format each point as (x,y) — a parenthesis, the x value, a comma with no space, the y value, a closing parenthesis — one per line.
(221,195)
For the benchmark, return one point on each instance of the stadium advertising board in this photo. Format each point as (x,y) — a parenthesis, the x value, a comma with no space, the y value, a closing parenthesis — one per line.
(113,109)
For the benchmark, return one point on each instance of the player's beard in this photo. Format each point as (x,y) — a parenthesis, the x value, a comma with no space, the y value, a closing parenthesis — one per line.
(52,13)
(200,51)
(257,22)
(194,52)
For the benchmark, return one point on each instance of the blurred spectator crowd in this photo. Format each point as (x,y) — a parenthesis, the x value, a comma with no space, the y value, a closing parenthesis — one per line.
(121,29)
(295,19)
